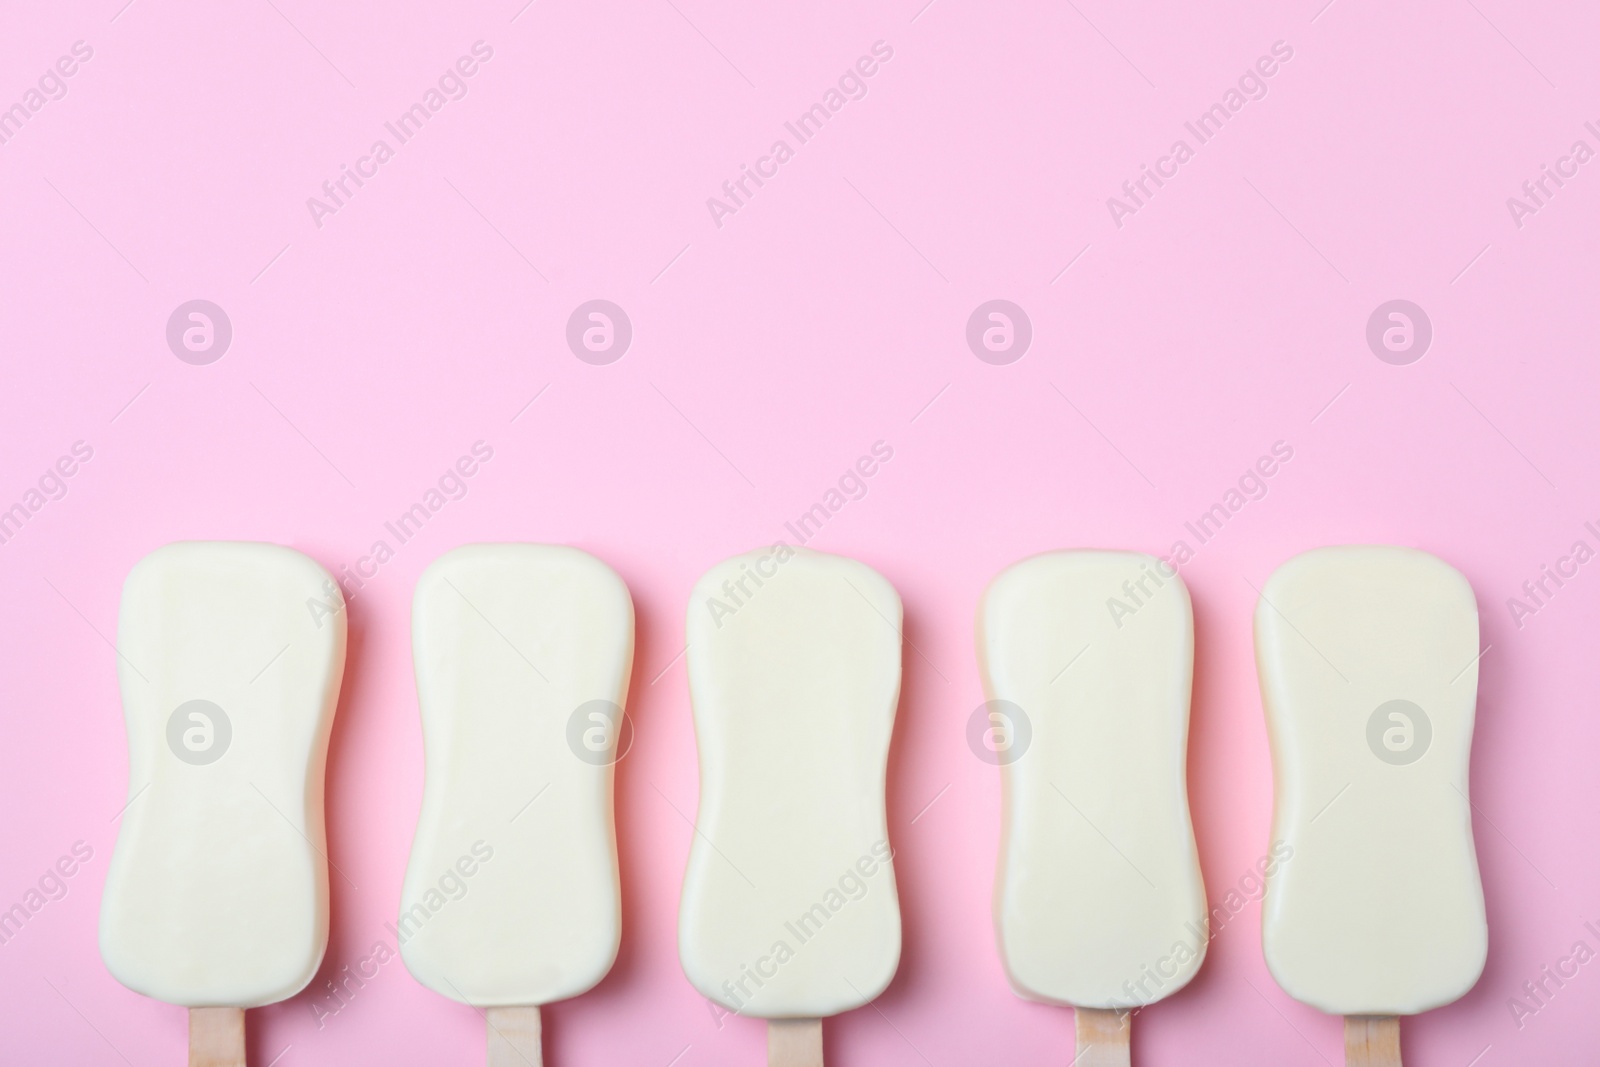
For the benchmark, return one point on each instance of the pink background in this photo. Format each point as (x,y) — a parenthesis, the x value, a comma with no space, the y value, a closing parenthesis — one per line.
(768,354)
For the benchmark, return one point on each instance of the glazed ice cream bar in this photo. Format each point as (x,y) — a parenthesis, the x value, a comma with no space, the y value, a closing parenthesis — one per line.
(1087,658)
(1368,659)
(230,656)
(789,908)
(511,900)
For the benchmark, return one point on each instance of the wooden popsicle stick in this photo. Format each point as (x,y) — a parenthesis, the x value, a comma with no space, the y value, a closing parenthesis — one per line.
(1372,1041)
(514,1037)
(794,1043)
(1104,1036)
(216,1037)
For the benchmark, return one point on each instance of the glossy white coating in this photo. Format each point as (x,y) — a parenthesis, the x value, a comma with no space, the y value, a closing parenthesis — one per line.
(1368,656)
(230,656)
(523,654)
(789,906)
(1087,658)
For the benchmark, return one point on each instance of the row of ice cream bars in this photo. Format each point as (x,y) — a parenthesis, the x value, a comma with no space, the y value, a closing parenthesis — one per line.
(231,656)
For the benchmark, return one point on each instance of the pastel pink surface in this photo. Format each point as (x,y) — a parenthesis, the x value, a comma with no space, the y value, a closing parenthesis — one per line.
(826,314)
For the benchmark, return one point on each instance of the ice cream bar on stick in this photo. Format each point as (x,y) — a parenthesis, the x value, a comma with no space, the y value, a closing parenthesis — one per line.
(230,656)
(1087,659)
(1368,656)
(789,910)
(511,897)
